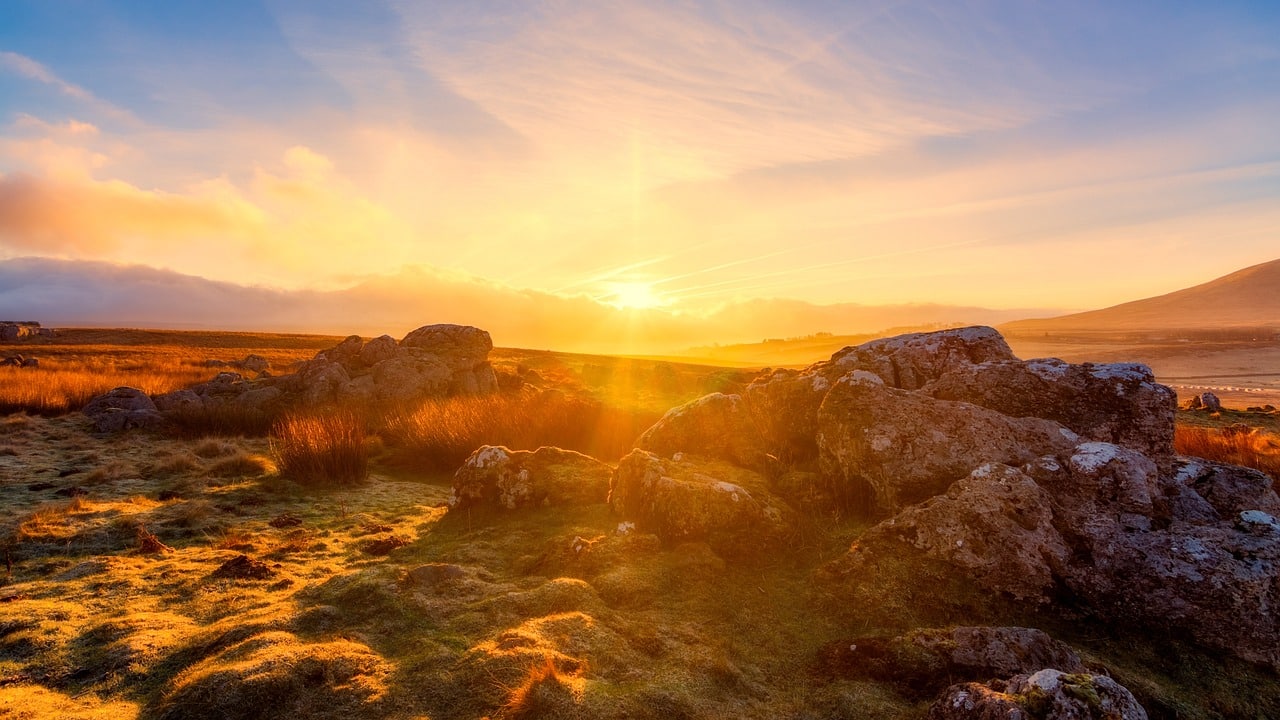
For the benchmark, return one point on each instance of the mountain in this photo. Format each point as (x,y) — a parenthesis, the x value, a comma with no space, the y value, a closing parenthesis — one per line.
(75,293)
(1248,298)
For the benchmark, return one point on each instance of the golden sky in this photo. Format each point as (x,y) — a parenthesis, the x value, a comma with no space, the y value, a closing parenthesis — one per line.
(684,155)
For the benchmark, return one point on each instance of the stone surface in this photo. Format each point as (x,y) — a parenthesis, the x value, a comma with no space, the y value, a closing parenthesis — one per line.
(886,448)
(1119,403)
(1048,694)
(514,479)
(716,425)
(698,499)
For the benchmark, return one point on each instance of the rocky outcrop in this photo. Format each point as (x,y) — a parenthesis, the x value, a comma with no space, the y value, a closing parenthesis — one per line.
(1037,482)
(432,361)
(924,662)
(514,479)
(11,331)
(1045,695)
(887,448)
(687,498)
(714,425)
(1118,403)
(123,408)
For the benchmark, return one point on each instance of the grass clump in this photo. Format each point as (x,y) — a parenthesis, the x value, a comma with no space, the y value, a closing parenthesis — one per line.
(439,434)
(321,449)
(1235,444)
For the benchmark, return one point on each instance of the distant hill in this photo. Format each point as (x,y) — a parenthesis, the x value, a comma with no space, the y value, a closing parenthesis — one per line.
(67,293)
(1248,298)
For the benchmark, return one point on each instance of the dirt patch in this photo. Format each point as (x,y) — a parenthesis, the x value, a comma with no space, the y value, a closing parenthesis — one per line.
(243,567)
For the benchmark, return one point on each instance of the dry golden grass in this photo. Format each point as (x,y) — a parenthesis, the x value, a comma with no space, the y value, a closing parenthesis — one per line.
(80,364)
(1237,445)
(321,449)
(440,434)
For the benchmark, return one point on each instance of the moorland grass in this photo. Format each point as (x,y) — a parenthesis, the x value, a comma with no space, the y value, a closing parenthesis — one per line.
(323,448)
(1236,445)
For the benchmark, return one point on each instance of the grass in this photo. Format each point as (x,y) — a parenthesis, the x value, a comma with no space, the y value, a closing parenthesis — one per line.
(440,434)
(1235,444)
(327,448)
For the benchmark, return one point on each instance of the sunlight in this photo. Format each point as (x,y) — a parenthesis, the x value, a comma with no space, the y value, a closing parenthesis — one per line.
(634,295)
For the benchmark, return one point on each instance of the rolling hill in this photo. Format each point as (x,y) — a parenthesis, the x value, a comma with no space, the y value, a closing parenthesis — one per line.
(1248,298)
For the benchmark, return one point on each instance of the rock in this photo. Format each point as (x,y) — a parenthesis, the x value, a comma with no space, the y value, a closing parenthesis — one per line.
(259,398)
(784,407)
(513,479)
(462,345)
(11,362)
(1048,694)
(909,362)
(123,408)
(10,331)
(1195,403)
(716,425)
(925,661)
(695,499)
(884,448)
(345,353)
(1119,403)
(178,400)
(378,349)
(995,527)
(30,362)
(408,377)
(1210,402)
(1229,489)
(255,364)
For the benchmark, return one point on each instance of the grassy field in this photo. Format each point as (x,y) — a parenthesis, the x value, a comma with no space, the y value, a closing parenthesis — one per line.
(317,572)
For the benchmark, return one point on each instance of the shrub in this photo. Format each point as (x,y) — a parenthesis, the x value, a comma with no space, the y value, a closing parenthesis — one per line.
(1237,445)
(322,448)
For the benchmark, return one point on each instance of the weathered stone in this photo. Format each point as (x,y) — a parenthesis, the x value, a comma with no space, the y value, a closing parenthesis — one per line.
(925,661)
(884,448)
(378,349)
(1119,403)
(1228,488)
(1048,694)
(911,361)
(995,526)
(255,363)
(462,345)
(513,479)
(698,499)
(715,425)
(1210,402)
(121,398)
(177,400)
(345,353)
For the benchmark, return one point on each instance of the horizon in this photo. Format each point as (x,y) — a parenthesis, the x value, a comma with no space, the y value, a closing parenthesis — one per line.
(664,166)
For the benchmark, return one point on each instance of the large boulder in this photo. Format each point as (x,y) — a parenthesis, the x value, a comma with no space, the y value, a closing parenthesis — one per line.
(715,425)
(885,448)
(460,346)
(513,479)
(925,661)
(1048,694)
(909,362)
(994,527)
(123,408)
(1119,403)
(688,498)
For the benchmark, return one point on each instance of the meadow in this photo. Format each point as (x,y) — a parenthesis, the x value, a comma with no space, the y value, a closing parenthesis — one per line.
(309,565)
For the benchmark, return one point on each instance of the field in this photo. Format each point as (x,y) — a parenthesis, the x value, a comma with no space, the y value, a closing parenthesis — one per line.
(155,576)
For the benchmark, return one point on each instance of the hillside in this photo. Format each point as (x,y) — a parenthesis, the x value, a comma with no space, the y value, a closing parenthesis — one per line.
(1248,298)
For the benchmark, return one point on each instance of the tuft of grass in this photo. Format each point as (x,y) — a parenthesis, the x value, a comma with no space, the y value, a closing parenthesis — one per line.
(546,692)
(1235,444)
(439,434)
(113,471)
(326,448)
(240,465)
(222,420)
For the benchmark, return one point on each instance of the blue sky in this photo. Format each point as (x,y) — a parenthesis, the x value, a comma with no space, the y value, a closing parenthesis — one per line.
(683,154)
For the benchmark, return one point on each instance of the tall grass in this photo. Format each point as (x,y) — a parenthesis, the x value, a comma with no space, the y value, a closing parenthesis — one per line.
(325,448)
(1237,445)
(440,434)
(54,388)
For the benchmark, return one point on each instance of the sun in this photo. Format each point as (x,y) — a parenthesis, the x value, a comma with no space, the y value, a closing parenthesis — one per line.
(633,295)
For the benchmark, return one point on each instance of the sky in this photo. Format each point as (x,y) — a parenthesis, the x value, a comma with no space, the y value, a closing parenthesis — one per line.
(678,157)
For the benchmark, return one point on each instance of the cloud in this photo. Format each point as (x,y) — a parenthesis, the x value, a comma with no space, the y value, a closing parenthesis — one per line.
(77,293)
(34,70)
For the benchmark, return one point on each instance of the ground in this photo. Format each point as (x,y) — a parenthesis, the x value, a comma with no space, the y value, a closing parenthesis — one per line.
(155,576)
